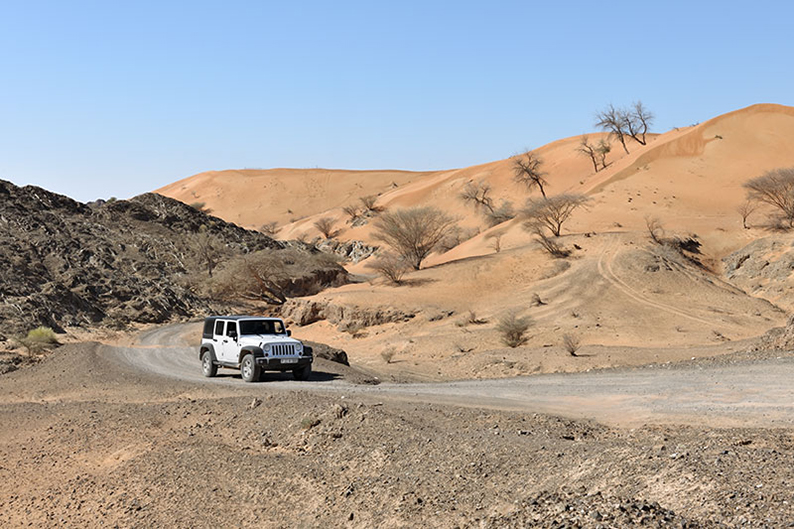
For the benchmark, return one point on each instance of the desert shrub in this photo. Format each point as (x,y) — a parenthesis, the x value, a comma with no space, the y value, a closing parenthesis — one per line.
(414,232)
(38,340)
(655,229)
(200,206)
(392,267)
(550,245)
(325,225)
(513,329)
(478,193)
(369,203)
(352,212)
(495,239)
(388,354)
(745,210)
(270,229)
(527,171)
(571,343)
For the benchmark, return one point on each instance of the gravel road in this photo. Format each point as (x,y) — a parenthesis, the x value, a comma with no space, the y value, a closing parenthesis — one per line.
(739,393)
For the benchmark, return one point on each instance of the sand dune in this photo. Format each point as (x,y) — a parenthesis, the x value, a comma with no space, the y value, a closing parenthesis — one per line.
(616,290)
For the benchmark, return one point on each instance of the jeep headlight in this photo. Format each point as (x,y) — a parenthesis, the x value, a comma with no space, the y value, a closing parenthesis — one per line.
(266,348)
(299,347)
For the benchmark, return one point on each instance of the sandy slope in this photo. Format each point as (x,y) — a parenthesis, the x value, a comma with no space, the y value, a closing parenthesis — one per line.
(616,291)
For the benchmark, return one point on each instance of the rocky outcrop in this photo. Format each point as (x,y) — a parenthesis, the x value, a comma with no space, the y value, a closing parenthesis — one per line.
(63,263)
(351,251)
(307,311)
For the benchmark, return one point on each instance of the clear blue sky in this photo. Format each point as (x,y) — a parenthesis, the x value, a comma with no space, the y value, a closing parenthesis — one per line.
(106,98)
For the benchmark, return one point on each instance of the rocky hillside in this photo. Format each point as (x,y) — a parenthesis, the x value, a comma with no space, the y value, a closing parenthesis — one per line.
(63,263)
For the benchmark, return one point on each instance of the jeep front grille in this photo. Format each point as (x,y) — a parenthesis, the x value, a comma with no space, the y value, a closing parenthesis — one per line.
(283,349)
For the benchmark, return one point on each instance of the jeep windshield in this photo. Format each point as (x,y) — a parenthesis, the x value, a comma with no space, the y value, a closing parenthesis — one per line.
(261,327)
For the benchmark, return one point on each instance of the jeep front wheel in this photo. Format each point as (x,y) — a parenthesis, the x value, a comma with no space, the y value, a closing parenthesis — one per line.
(208,367)
(248,368)
(302,373)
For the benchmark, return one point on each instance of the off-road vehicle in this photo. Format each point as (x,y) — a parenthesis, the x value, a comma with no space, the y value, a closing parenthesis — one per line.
(253,345)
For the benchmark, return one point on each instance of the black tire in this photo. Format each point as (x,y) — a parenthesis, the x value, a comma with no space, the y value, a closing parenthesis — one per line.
(302,373)
(249,368)
(208,366)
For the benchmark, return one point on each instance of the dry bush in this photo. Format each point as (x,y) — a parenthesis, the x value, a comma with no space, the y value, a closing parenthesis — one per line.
(392,267)
(414,232)
(622,123)
(775,188)
(596,152)
(552,212)
(571,343)
(513,329)
(200,206)
(745,210)
(478,194)
(655,229)
(388,354)
(527,171)
(355,329)
(352,211)
(548,244)
(496,241)
(536,301)
(369,203)
(325,226)
(209,249)
(270,229)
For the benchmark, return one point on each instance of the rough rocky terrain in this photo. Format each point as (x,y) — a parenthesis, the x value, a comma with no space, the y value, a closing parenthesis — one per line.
(65,264)
(91,441)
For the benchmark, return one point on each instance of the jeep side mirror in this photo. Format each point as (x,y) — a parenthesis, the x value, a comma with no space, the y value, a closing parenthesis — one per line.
(289,332)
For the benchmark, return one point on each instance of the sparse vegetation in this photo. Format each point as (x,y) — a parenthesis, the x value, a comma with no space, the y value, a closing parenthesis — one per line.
(269,228)
(527,171)
(495,239)
(325,226)
(388,354)
(353,212)
(208,248)
(571,343)
(551,212)
(369,204)
(620,123)
(455,237)
(414,232)
(392,267)
(200,206)
(479,195)
(513,329)
(550,244)
(745,210)
(655,229)
(774,188)
(38,340)
(596,152)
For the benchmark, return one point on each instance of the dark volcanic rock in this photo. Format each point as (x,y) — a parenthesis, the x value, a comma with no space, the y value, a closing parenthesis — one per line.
(63,263)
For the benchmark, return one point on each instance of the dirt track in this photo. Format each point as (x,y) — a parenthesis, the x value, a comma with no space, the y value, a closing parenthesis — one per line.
(756,393)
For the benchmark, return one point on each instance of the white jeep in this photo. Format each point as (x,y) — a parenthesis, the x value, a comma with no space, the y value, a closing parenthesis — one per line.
(253,345)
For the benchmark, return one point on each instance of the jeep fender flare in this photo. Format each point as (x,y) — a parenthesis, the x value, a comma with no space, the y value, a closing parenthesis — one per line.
(250,349)
(207,347)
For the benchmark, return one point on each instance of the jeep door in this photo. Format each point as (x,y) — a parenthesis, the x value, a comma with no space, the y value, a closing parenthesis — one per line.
(228,343)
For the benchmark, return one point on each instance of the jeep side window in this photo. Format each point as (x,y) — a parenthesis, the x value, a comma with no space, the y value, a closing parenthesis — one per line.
(219,328)
(279,327)
(231,330)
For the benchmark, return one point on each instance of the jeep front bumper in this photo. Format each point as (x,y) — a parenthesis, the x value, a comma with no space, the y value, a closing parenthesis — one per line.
(283,363)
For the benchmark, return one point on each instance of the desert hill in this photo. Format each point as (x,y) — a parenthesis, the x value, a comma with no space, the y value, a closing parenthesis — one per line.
(625,299)
(67,264)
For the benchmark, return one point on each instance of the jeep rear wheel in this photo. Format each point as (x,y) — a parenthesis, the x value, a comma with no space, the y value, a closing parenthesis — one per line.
(208,367)
(302,373)
(248,368)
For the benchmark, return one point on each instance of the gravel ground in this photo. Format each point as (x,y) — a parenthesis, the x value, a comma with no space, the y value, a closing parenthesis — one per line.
(92,441)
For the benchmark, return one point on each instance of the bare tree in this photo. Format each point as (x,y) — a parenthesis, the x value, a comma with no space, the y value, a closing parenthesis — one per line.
(390,266)
(549,244)
(552,212)
(352,212)
(655,230)
(775,188)
(258,276)
(745,210)
(614,121)
(589,150)
(638,120)
(478,194)
(602,150)
(527,170)
(414,232)
(496,240)
(208,248)
(326,226)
